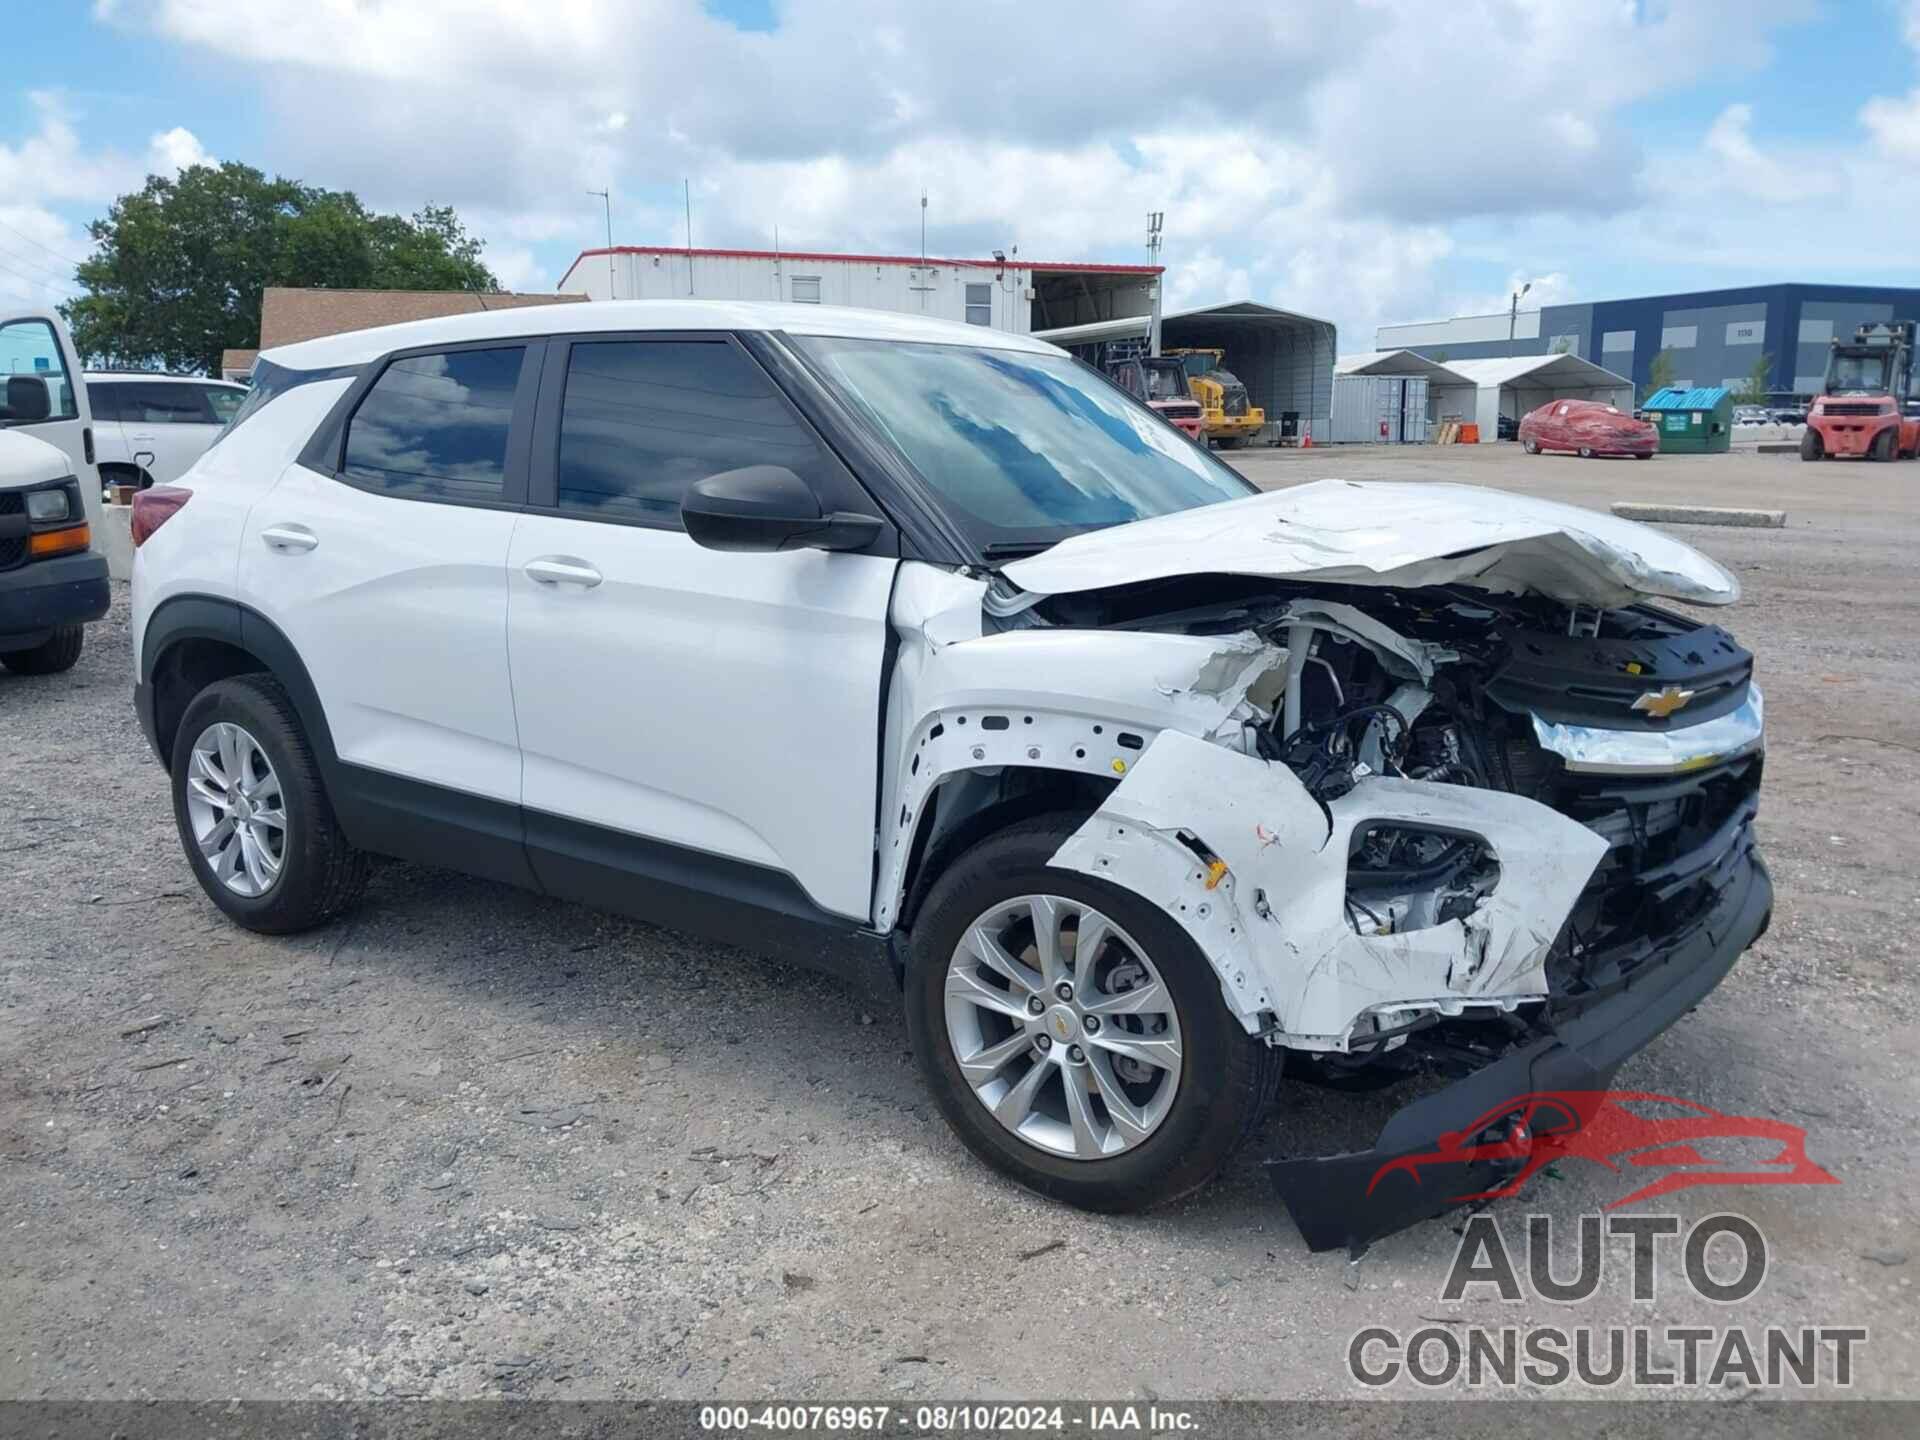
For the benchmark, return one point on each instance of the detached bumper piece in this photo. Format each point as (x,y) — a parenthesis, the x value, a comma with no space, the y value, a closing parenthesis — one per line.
(1335,1201)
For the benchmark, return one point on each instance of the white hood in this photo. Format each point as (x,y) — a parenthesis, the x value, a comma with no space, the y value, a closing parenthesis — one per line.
(1395,534)
(28,460)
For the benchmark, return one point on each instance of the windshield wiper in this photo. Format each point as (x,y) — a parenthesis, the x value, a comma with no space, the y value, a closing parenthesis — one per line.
(1015,549)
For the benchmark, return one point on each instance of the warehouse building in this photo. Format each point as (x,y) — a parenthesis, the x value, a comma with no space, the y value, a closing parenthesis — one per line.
(1713,337)
(1001,292)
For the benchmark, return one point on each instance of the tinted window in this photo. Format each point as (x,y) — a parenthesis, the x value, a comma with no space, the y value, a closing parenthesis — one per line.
(644,419)
(143,402)
(435,426)
(28,348)
(104,398)
(224,400)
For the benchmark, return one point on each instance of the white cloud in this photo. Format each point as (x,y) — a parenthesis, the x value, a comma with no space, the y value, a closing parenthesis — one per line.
(174,150)
(1333,156)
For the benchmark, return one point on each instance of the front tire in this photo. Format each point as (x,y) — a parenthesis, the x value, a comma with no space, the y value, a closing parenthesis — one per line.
(1532,447)
(1586,452)
(59,651)
(1810,444)
(1150,1085)
(253,815)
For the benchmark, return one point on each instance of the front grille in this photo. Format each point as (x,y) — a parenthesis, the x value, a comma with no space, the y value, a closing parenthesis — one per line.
(1181,412)
(1853,410)
(13,548)
(1670,841)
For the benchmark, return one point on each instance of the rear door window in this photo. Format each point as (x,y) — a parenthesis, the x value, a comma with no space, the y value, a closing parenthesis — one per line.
(641,420)
(152,402)
(435,427)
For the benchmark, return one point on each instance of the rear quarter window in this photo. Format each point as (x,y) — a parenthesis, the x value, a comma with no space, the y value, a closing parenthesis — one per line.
(435,426)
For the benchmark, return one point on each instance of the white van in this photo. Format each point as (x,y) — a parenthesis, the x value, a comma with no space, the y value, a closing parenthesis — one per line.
(53,576)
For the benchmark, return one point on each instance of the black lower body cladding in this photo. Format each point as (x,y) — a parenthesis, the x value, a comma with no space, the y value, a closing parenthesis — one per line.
(1354,1199)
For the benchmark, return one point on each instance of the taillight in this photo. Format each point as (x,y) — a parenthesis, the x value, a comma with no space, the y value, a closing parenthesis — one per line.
(153,507)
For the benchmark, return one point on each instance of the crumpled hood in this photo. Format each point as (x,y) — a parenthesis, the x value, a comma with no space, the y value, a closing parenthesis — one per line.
(1397,534)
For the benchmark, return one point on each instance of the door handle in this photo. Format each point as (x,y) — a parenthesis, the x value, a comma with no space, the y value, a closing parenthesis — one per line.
(562,570)
(289,539)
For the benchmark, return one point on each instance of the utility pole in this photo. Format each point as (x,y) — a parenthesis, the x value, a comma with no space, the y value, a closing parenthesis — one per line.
(923,228)
(688,184)
(1154,220)
(607,197)
(1513,314)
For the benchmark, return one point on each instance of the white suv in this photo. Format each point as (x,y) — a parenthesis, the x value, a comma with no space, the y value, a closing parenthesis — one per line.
(150,428)
(928,655)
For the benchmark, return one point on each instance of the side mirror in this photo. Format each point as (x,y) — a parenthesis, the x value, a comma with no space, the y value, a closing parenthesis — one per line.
(766,508)
(27,399)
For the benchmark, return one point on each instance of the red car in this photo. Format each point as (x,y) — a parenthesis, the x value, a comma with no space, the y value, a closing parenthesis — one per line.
(1587,428)
(1621,1129)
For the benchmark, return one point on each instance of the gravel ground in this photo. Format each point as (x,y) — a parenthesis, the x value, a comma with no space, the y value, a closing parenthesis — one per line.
(469,1142)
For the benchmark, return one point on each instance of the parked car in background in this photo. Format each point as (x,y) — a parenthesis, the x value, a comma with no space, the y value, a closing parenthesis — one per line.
(1751,415)
(1788,415)
(1587,428)
(1507,428)
(557,596)
(149,429)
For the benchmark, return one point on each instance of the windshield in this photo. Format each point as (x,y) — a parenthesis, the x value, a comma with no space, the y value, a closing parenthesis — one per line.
(1025,449)
(1166,382)
(1858,373)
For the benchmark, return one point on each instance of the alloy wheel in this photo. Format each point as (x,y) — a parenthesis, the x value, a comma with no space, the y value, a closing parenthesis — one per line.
(1062,1027)
(236,809)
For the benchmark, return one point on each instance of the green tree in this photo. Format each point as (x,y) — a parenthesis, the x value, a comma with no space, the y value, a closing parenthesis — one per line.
(1753,390)
(181,262)
(1659,375)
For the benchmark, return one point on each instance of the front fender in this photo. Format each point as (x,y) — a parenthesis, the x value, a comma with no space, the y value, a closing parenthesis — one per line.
(1274,925)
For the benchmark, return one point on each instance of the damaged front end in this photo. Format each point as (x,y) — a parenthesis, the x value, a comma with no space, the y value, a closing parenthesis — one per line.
(1501,841)
(1435,789)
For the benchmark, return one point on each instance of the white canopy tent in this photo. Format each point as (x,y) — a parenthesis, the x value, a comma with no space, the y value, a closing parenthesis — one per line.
(1513,385)
(1482,391)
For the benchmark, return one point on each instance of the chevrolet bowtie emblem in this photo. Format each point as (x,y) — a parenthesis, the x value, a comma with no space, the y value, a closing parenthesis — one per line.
(1060,1026)
(1662,703)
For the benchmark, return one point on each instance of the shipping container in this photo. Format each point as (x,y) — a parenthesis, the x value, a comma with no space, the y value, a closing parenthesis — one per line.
(1379,410)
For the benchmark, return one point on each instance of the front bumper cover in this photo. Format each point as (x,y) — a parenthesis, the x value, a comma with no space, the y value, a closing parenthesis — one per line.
(1329,1197)
(43,594)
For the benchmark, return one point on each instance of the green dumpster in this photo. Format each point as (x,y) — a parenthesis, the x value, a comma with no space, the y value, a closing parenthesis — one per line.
(1693,421)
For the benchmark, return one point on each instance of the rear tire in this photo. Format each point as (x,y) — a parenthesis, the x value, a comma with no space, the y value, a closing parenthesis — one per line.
(316,874)
(59,651)
(1224,1078)
(1586,452)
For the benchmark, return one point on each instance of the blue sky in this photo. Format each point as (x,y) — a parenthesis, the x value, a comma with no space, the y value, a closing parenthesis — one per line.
(1368,160)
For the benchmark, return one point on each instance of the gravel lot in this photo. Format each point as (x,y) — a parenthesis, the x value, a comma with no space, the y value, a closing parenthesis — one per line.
(470,1142)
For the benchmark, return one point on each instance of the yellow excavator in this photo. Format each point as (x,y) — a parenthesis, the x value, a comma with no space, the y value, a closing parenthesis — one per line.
(1228,418)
